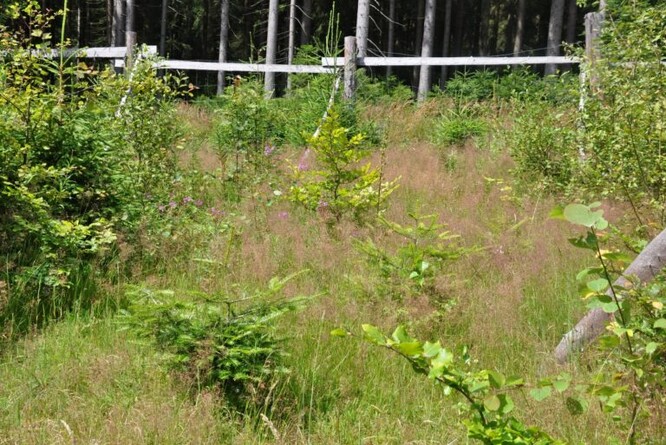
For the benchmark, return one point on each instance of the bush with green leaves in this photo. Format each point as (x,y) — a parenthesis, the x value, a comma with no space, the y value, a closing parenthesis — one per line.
(486,394)
(77,168)
(625,110)
(542,142)
(338,183)
(214,341)
(458,125)
(631,379)
(415,264)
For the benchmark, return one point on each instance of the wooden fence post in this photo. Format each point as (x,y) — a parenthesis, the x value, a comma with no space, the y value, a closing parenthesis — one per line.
(350,67)
(593,23)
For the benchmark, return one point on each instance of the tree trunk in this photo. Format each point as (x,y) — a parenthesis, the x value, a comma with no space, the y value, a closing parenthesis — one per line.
(459,28)
(426,49)
(271,47)
(362,25)
(391,36)
(306,22)
(129,16)
(163,27)
(645,267)
(520,28)
(222,49)
(446,42)
(118,27)
(292,38)
(554,33)
(484,27)
(572,19)
(419,38)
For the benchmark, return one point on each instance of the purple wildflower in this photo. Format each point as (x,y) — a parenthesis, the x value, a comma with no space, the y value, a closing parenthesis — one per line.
(304,161)
(215,212)
(172,204)
(268,150)
(161,208)
(198,203)
(187,199)
(283,215)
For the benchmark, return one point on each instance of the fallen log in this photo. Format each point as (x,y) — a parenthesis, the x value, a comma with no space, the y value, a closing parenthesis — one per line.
(645,267)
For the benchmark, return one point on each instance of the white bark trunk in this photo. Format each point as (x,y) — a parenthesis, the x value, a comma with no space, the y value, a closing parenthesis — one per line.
(554,32)
(292,38)
(271,47)
(222,49)
(520,28)
(426,49)
(362,25)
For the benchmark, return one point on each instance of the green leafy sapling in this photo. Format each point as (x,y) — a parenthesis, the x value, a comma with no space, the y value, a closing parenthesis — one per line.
(635,337)
(486,393)
(340,183)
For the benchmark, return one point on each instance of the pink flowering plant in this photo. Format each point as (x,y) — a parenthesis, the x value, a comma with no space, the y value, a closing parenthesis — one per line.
(338,183)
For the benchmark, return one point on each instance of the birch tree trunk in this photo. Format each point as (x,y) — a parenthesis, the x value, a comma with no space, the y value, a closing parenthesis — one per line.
(271,47)
(446,43)
(292,38)
(520,28)
(391,36)
(554,33)
(118,27)
(426,49)
(362,25)
(222,49)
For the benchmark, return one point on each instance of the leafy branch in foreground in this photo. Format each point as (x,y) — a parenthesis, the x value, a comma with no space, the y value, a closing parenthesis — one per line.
(485,392)
(633,372)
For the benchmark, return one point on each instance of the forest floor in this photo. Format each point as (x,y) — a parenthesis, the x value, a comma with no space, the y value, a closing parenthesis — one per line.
(83,380)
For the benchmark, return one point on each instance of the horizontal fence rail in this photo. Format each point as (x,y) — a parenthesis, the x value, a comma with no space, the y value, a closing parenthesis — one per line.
(452,61)
(236,67)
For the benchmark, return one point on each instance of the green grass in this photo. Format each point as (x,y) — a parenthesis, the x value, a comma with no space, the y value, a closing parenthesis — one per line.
(83,380)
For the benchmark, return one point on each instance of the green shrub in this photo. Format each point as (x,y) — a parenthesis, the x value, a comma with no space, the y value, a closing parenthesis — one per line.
(215,342)
(624,114)
(77,168)
(457,127)
(543,145)
(338,184)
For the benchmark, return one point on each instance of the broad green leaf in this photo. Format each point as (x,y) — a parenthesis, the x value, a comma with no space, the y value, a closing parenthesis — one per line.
(557,212)
(582,215)
(562,382)
(479,386)
(400,335)
(540,394)
(576,405)
(431,349)
(496,379)
(660,324)
(598,285)
(588,271)
(651,347)
(506,403)
(444,358)
(492,403)
(374,335)
(514,381)
(409,348)
(339,332)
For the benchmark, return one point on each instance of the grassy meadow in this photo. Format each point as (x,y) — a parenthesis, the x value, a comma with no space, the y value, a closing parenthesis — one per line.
(88,379)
